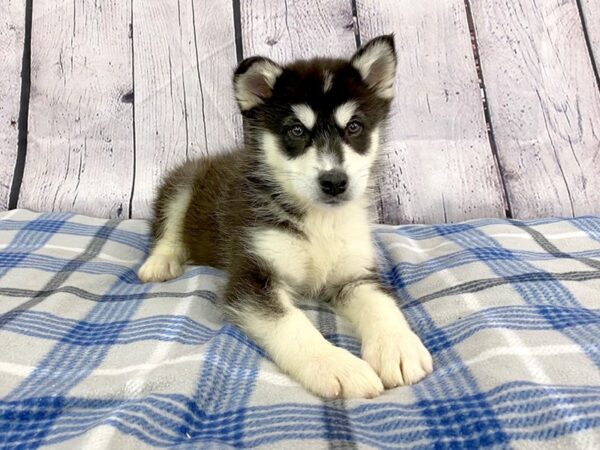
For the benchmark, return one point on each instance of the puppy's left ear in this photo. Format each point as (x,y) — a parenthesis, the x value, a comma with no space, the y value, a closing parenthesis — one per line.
(376,63)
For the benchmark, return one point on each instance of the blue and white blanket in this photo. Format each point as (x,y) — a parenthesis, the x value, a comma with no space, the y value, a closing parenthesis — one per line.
(92,358)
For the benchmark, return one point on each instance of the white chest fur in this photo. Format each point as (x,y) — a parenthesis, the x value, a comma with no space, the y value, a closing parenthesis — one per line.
(337,248)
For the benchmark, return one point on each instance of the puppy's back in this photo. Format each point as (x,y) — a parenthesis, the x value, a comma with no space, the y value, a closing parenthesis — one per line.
(206,189)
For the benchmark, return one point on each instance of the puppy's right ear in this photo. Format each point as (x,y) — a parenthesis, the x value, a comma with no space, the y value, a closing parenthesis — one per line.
(254,80)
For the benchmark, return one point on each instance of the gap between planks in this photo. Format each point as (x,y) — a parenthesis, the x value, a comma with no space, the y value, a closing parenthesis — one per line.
(23,119)
(486,111)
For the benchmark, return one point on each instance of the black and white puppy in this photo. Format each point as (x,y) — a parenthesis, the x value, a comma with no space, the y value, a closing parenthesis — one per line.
(288,216)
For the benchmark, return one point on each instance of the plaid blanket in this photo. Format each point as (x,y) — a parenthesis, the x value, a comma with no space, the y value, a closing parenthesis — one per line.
(92,358)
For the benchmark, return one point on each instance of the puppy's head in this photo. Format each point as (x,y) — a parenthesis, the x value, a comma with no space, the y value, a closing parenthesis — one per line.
(317,122)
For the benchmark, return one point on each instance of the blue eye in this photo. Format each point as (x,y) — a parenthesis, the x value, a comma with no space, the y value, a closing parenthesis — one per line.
(296,131)
(354,128)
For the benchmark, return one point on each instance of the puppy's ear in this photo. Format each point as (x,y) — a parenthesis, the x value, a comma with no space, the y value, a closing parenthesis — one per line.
(376,63)
(254,80)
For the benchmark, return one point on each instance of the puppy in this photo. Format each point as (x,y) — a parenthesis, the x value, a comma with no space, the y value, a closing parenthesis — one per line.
(288,215)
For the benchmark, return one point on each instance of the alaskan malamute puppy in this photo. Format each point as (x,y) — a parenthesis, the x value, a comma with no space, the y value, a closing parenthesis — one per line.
(288,215)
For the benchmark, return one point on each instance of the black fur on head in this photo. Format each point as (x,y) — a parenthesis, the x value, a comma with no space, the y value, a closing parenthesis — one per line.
(265,90)
(324,110)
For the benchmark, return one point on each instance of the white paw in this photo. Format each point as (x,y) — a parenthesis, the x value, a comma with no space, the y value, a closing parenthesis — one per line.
(398,356)
(160,268)
(336,373)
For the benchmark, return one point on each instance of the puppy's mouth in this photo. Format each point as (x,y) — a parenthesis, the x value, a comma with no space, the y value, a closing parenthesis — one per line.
(334,201)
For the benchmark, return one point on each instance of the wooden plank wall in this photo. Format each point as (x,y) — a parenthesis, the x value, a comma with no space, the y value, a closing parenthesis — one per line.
(12,41)
(544,104)
(80,140)
(496,111)
(590,14)
(438,130)
(184,106)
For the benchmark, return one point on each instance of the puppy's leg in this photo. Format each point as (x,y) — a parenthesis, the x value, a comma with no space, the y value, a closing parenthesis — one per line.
(388,344)
(168,252)
(296,346)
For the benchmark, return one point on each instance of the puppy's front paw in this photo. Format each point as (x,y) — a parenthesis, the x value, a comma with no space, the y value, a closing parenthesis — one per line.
(398,357)
(160,268)
(336,373)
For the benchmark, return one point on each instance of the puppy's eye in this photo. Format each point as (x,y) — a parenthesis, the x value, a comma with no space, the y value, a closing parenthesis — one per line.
(354,128)
(296,131)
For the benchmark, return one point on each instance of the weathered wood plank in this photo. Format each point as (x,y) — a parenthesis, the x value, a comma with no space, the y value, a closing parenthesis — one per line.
(438,165)
(286,30)
(12,33)
(80,142)
(184,104)
(544,104)
(590,10)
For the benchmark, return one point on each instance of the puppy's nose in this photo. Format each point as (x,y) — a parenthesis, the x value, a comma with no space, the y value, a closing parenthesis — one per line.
(333,182)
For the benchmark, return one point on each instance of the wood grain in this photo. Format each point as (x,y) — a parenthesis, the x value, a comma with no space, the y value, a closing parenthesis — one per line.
(184,57)
(544,104)
(286,30)
(590,9)
(543,96)
(80,142)
(438,165)
(12,32)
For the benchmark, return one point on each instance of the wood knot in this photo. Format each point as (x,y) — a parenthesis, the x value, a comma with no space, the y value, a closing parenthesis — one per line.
(127,98)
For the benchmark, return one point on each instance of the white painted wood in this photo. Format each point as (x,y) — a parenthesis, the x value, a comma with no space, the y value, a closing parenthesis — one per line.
(544,104)
(438,165)
(591,14)
(287,30)
(80,144)
(184,58)
(12,32)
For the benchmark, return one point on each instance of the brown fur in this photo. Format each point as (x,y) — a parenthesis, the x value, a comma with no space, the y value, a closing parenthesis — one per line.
(229,194)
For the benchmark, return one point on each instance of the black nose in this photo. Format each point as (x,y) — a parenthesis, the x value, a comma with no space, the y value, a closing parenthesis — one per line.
(333,182)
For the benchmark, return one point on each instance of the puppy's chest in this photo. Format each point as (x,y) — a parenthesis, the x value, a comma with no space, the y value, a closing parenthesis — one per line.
(332,250)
